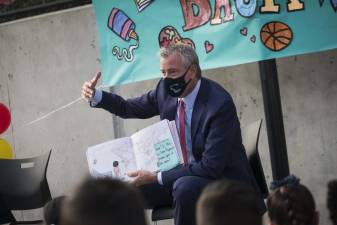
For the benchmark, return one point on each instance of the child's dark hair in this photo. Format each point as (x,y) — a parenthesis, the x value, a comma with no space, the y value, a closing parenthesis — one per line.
(105,201)
(229,202)
(52,211)
(332,200)
(291,203)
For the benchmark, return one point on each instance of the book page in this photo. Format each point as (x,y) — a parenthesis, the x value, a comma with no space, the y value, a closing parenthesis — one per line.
(154,147)
(176,140)
(112,159)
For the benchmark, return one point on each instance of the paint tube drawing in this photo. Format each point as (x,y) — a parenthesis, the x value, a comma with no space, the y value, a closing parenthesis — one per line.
(123,27)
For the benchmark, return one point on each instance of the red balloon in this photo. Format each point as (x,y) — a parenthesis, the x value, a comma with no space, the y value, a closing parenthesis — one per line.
(5,118)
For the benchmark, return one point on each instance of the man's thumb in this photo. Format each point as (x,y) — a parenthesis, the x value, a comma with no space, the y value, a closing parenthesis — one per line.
(132,174)
(95,79)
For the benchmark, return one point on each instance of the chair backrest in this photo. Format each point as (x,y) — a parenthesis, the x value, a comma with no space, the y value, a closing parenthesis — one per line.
(250,139)
(24,183)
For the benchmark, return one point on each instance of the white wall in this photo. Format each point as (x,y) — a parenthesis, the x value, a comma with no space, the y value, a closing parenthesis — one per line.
(44,61)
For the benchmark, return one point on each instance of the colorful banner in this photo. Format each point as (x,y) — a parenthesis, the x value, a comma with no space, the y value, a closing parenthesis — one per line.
(223,32)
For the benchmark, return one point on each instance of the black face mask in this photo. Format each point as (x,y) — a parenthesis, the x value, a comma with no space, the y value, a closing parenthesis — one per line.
(175,87)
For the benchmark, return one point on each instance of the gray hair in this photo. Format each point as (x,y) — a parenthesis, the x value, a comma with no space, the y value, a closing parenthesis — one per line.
(187,54)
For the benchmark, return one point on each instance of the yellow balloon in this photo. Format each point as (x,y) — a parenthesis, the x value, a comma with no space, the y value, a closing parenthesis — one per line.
(5,150)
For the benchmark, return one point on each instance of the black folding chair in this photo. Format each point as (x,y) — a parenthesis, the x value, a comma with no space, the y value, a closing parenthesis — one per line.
(24,184)
(250,139)
(6,215)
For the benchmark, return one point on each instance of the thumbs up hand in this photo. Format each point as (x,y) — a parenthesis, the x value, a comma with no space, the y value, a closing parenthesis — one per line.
(88,88)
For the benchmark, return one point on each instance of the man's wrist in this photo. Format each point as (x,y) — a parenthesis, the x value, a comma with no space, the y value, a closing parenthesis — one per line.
(97,98)
(159,178)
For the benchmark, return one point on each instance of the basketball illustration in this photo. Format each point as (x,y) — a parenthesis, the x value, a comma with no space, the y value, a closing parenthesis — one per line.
(276,35)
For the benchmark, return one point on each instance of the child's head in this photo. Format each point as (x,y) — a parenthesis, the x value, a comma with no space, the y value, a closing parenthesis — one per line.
(228,202)
(291,203)
(332,201)
(52,210)
(105,201)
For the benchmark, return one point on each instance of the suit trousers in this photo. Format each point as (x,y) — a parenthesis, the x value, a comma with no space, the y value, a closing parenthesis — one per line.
(183,194)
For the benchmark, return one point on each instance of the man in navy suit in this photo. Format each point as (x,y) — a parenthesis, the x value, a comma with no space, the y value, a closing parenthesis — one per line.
(206,120)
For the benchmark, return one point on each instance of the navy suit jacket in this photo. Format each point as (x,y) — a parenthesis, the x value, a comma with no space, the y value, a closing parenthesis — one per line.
(215,129)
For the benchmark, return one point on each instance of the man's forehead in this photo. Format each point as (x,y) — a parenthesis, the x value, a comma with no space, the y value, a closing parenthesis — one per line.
(172,60)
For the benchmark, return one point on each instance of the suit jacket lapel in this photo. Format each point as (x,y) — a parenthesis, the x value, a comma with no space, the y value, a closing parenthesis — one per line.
(170,108)
(199,107)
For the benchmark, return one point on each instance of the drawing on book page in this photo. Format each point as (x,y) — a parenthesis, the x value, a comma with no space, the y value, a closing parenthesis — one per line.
(147,140)
(112,159)
(166,154)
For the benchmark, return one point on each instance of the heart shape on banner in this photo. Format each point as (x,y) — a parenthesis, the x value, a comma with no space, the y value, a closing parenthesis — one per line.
(253,38)
(208,46)
(244,31)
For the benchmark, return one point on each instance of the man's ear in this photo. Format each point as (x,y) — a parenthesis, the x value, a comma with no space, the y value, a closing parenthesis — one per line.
(194,69)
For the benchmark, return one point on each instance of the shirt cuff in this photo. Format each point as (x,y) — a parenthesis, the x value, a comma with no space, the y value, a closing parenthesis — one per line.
(159,179)
(97,98)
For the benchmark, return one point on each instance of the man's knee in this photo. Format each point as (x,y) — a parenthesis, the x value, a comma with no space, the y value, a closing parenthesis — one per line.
(188,187)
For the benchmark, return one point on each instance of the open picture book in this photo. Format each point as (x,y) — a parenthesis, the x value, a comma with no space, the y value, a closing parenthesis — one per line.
(154,148)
